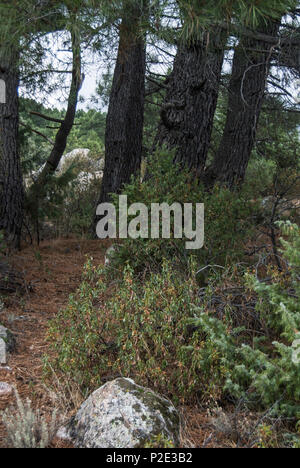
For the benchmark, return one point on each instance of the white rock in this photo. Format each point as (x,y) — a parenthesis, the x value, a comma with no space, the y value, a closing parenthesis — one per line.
(2,352)
(3,332)
(102,164)
(5,389)
(122,414)
(9,339)
(81,158)
(5,369)
(63,434)
(67,159)
(88,177)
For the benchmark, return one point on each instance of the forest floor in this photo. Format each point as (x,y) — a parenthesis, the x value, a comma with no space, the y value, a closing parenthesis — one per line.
(53,270)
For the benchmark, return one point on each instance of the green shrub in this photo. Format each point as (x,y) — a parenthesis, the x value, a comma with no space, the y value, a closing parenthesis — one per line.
(68,205)
(277,379)
(155,338)
(78,207)
(138,330)
(259,177)
(264,374)
(156,330)
(229,219)
(279,301)
(77,333)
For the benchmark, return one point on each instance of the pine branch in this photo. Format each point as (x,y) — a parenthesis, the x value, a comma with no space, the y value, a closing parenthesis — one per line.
(46,117)
(36,132)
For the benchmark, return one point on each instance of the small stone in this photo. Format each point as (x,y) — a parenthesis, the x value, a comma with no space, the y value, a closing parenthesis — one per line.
(5,389)
(2,351)
(5,369)
(9,339)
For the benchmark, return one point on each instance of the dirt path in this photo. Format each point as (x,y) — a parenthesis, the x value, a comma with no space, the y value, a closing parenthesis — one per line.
(54,270)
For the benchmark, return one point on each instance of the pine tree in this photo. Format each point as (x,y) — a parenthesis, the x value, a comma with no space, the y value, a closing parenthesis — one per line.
(188,111)
(251,66)
(124,125)
(11,195)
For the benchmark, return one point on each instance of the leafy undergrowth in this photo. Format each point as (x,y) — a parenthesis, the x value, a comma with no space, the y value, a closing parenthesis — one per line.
(55,271)
(211,328)
(167,333)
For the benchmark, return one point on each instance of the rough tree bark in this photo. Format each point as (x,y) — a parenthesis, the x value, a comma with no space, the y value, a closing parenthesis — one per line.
(247,86)
(125,118)
(11,190)
(190,104)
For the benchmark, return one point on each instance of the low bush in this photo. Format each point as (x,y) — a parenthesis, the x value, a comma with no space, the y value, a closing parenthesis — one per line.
(159,332)
(133,329)
(229,219)
(68,206)
(27,428)
(264,374)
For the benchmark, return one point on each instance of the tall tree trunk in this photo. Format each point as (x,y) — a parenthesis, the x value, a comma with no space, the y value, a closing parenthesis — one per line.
(247,86)
(190,104)
(125,118)
(12,195)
